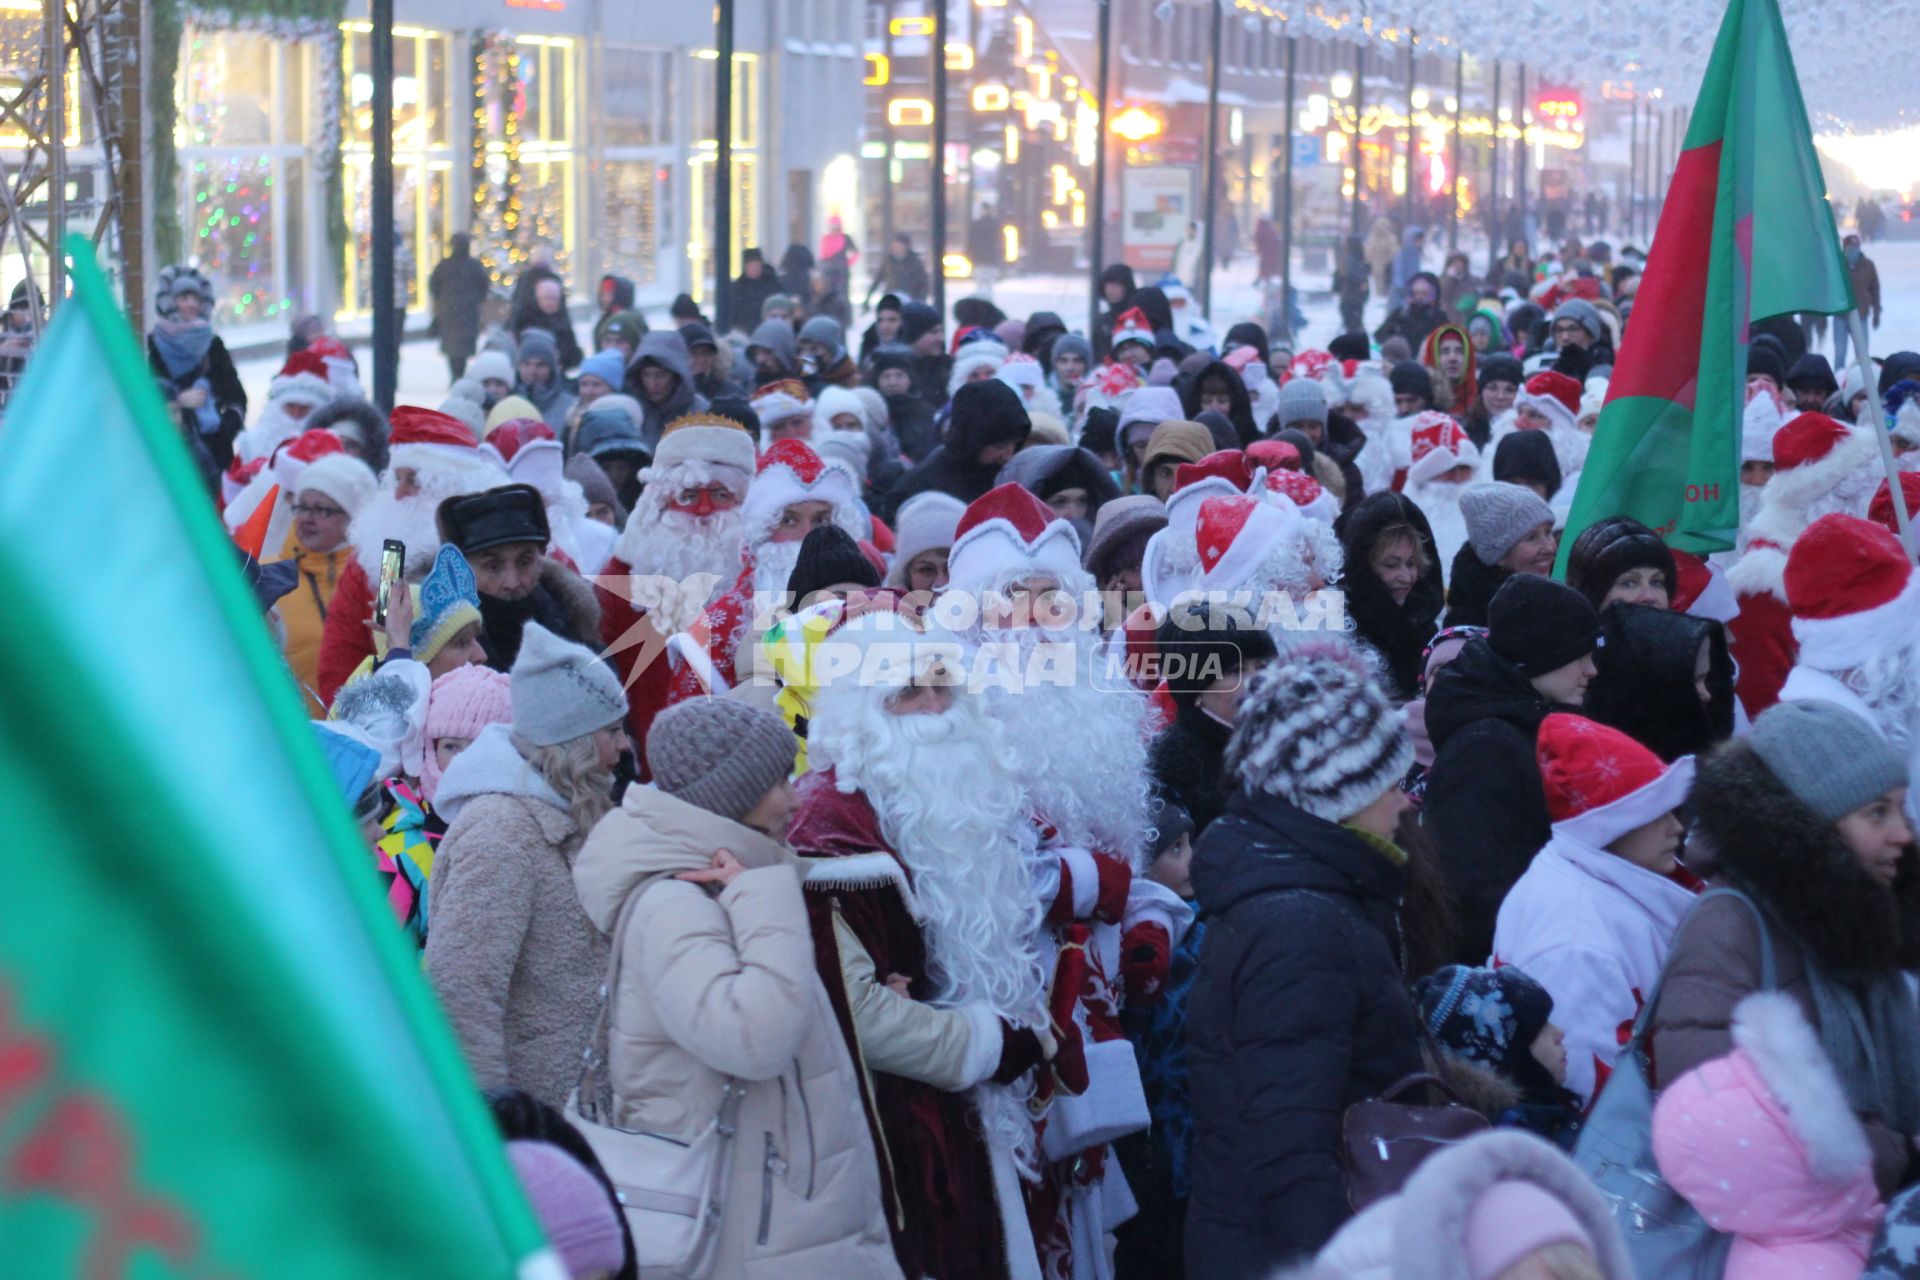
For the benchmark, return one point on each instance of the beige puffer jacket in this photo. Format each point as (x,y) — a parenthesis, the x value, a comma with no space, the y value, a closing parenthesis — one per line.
(716,986)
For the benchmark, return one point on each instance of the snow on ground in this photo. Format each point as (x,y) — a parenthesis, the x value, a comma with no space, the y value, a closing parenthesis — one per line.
(423,371)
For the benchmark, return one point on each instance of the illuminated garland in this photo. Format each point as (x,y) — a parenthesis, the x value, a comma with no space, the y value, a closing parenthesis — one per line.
(499,215)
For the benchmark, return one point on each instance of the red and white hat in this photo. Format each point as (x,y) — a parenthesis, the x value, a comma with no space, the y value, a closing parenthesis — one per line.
(303,379)
(778,401)
(424,434)
(1010,535)
(1600,783)
(1554,396)
(792,472)
(1439,445)
(1275,455)
(343,371)
(1703,590)
(1310,363)
(1237,536)
(1131,325)
(1307,495)
(1880,510)
(291,458)
(1812,454)
(1852,591)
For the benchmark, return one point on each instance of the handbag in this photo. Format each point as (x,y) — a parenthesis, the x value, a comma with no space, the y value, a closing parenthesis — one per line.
(672,1191)
(1383,1140)
(1665,1235)
(1113,1105)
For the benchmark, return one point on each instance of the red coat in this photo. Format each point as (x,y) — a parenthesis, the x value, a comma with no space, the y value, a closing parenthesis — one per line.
(647,692)
(347,639)
(720,630)
(936,1172)
(1761,640)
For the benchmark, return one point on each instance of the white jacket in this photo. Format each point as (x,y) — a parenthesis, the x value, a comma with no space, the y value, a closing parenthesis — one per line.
(1593,929)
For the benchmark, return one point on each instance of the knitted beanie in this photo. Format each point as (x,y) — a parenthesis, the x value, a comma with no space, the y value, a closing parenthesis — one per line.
(1501,368)
(1487,1016)
(575,1213)
(1498,515)
(1167,821)
(1411,378)
(561,690)
(491,366)
(1829,758)
(1315,730)
(828,555)
(460,704)
(1540,625)
(1301,400)
(719,755)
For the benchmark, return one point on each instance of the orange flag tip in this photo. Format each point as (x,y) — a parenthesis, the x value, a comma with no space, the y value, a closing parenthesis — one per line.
(253,533)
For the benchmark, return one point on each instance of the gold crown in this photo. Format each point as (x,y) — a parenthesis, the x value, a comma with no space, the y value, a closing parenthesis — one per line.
(702,419)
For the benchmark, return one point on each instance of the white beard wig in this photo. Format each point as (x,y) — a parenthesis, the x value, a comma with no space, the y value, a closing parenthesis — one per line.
(411,519)
(1092,783)
(947,794)
(1889,683)
(772,565)
(1439,501)
(668,552)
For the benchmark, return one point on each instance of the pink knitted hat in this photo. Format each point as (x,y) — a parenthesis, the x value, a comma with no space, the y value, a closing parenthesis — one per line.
(1513,1219)
(461,703)
(575,1212)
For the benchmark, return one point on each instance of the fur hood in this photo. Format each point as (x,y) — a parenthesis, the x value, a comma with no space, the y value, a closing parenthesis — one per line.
(491,766)
(1798,867)
(1420,1234)
(1770,1029)
(575,595)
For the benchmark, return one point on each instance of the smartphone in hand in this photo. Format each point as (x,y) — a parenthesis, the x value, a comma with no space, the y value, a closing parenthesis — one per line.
(393,562)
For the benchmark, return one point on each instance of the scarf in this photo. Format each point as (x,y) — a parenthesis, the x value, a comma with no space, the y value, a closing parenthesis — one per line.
(1870,1031)
(182,344)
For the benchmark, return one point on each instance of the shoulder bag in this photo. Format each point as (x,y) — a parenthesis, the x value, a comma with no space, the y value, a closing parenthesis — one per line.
(1664,1234)
(1383,1140)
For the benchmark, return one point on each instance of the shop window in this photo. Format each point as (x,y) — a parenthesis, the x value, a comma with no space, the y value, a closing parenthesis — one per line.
(636,202)
(636,101)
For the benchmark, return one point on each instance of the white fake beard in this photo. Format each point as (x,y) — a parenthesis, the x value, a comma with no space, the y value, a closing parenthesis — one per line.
(1749,504)
(409,520)
(669,551)
(1100,800)
(1889,684)
(772,565)
(1439,501)
(270,431)
(1570,446)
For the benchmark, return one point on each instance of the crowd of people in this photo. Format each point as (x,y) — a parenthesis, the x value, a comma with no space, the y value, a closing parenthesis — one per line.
(1006,802)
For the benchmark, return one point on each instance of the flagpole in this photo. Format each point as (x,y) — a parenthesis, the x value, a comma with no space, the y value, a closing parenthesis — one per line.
(1858,330)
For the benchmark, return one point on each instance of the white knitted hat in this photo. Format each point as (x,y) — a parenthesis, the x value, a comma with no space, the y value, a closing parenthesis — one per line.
(561,690)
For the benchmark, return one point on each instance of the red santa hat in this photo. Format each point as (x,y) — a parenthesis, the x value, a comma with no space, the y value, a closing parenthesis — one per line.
(1600,784)
(292,457)
(1310,363)
(1852,591)
(792,472)
(1218,475)
(1554,396)
(1131,325)
(1439,445)
(507,439)
(423,435)
(302,380)
(1880,510)
(1306,494)
(1813,453)
(1274,455)
(1009,535)
(1236,536)
(1702,589)
(778,401)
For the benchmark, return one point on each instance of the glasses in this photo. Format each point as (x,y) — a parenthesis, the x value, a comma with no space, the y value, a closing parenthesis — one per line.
(1568,328)
(319,513)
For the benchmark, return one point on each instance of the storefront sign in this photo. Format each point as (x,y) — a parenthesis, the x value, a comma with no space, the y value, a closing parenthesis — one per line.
(1158,205)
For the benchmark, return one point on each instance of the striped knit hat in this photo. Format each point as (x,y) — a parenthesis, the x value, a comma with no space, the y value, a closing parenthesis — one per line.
(1315,730)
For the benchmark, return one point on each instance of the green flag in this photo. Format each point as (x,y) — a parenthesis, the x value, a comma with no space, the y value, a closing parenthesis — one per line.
(1746,233)
(217,1054)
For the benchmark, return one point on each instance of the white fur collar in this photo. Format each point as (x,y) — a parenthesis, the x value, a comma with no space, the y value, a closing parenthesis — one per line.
(862,871)
(1770,1029)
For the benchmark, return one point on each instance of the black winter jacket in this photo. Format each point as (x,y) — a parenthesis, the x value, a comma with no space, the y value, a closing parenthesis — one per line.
(1485,806)
(1298,1011)
(1470,587)
(1188,762)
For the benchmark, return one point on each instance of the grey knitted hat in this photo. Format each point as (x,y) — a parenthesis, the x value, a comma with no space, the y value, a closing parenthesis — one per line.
(561,690)
(1829,758)
(1301,400)
(1315,730)
(719,755)
(1498,515)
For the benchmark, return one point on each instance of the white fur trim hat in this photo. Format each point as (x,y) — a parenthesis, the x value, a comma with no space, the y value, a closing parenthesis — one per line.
(1007,536)
(342,477)
(792,472)
(926,522)
(1852,591)
(1439,444)
(1552,395)
(835,401)
(1237,535)
(723,445)
(1600,784)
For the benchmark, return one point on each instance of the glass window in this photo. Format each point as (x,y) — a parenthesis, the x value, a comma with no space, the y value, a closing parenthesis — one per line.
(225,90)
(230,224)
(636,97)
(632,236)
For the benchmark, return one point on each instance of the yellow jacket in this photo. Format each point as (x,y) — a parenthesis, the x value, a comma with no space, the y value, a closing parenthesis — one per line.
(303,612)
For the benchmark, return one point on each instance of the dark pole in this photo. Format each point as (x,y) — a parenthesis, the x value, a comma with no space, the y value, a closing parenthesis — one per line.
(1286,204)
(1657,187)
(723,163)
(939,193)
(1097,255)
(1413,71)
(386,339)
(1453,150)
(1495,249)
(1210,170)
(886,132)
(1521,160)
(1359,76)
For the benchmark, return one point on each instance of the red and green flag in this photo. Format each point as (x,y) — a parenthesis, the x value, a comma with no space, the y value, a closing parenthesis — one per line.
(1746,233)
(217,1055)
